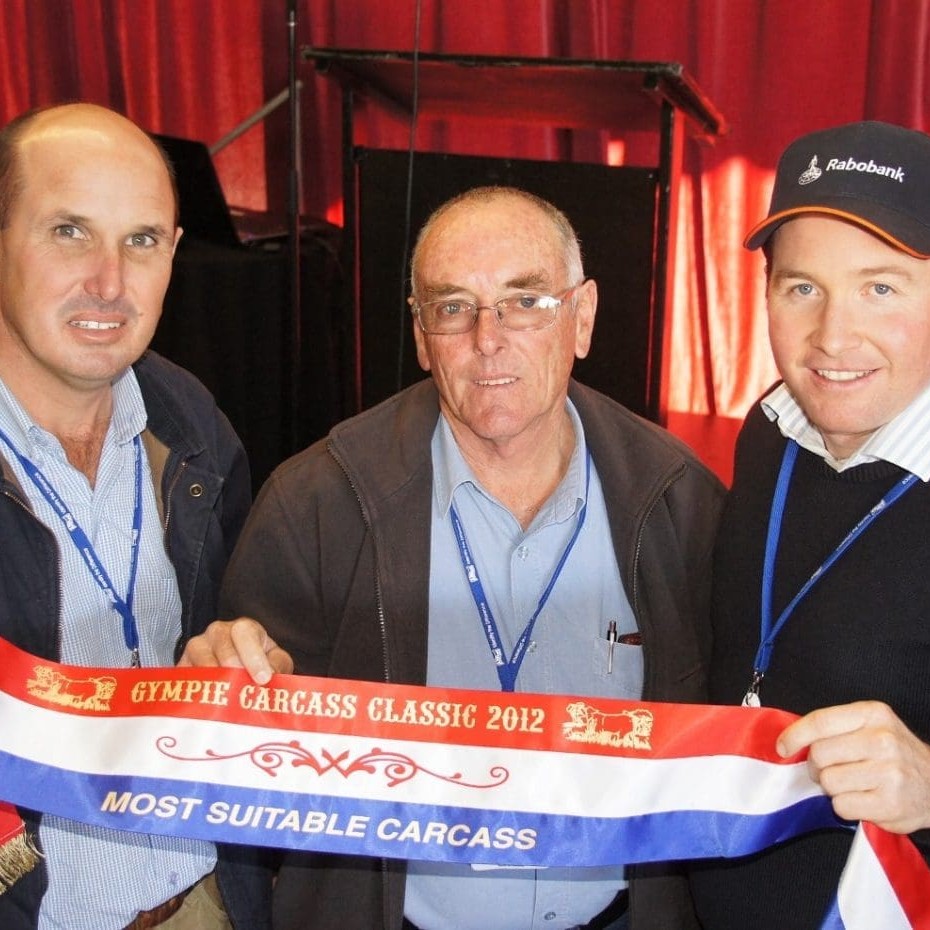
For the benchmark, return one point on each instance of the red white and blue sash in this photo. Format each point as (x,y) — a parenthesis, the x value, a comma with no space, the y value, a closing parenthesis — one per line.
(426,773)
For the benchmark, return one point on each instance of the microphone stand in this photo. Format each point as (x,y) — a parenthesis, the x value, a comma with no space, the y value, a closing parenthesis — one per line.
(295,347)
(267,108)
(293,329)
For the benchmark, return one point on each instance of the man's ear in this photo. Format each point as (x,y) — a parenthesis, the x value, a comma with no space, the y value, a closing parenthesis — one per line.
(585,298)
(419,338)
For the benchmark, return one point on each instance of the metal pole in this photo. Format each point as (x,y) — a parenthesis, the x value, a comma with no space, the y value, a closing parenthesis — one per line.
(250,121)
(295,335)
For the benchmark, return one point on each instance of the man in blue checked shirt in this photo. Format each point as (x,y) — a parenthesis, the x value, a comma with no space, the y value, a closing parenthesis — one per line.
(123,487)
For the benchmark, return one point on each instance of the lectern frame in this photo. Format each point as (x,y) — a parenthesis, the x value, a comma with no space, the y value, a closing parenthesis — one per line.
(659,97)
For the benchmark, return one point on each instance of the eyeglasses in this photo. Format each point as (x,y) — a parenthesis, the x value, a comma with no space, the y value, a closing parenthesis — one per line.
(521,313)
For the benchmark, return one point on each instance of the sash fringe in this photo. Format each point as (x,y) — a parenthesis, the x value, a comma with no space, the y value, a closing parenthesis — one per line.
(18,857)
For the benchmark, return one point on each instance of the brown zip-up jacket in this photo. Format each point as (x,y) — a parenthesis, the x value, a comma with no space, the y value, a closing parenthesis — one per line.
(334,561)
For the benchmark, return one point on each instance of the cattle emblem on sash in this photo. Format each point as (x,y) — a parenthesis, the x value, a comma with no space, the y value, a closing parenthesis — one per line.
(91,693)
(629,729)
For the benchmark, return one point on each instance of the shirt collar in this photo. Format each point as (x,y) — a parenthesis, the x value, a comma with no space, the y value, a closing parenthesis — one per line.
(904,441)
(450,471)
(127,421)
(129,414)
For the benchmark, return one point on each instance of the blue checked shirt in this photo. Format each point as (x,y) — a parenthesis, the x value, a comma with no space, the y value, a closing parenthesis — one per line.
(99,878)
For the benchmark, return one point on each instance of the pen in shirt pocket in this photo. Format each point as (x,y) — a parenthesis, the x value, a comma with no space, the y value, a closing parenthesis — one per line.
(625,639)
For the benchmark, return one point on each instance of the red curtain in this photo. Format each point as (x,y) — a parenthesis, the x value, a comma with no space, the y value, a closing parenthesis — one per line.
(774,68)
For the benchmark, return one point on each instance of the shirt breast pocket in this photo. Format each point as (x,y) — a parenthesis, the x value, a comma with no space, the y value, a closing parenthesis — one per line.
(618,667)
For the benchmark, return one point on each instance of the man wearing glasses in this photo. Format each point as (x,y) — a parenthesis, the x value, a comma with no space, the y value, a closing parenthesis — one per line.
(483,529)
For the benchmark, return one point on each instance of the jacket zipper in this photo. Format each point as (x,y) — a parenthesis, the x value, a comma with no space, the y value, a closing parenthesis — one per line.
(377,578)
(382,626)
(637,550)
(174,483)
(185,608)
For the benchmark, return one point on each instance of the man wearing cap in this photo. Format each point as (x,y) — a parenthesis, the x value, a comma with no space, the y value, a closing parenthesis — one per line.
(821,600)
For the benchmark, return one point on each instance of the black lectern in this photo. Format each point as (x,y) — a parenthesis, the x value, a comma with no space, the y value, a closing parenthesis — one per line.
(625,216)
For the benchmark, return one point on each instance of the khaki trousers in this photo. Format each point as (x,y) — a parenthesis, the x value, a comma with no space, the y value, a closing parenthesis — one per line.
(202,909)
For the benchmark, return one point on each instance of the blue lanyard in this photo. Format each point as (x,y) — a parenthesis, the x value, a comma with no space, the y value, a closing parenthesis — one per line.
(83,545)
(508,669)
(769,630)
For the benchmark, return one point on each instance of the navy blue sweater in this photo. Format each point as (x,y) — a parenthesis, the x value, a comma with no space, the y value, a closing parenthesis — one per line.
(862,632)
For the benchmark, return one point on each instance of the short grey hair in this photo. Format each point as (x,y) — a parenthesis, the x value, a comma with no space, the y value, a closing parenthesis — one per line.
(571,247)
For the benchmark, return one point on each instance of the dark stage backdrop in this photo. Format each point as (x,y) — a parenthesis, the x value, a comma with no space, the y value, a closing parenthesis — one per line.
(612,209)
(222,320)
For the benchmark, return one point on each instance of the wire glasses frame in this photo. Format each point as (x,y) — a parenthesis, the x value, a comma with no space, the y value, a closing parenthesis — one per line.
(519,313)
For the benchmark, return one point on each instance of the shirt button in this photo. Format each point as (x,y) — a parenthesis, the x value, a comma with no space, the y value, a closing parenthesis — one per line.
(523,552)
(196,490)
(551,915)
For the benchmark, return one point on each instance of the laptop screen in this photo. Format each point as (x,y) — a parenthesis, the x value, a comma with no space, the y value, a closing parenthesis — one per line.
(204,212)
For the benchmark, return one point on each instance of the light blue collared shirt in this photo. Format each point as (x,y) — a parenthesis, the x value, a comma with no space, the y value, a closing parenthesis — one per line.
(98,878)
(567,655)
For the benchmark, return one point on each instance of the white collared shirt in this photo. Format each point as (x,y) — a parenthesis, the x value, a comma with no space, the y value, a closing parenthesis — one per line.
(904,441)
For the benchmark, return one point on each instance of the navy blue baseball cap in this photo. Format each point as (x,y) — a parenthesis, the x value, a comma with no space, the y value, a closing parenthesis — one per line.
(873,174)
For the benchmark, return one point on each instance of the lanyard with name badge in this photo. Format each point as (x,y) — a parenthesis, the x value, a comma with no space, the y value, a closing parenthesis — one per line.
(86,550)
(508,669)
(769,630)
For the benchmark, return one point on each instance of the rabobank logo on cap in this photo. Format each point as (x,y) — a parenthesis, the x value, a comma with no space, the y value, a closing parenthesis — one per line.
(871,173)
(812,172)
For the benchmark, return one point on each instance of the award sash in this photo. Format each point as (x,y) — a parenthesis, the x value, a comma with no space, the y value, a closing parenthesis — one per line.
(426,773)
